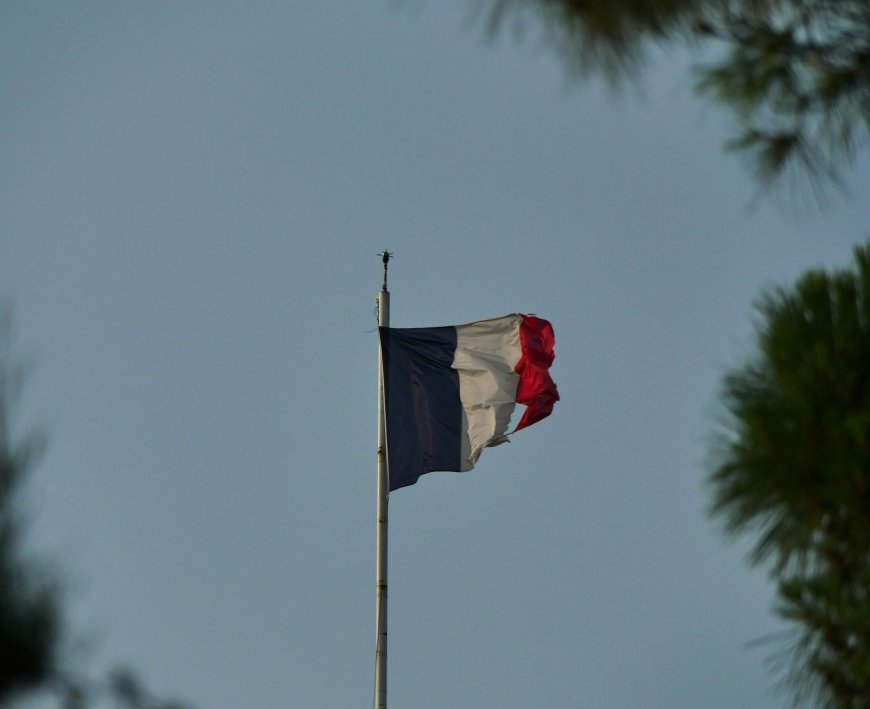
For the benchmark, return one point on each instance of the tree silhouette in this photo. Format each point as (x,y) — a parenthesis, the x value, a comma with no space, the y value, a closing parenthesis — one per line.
(795,73)
(792,469)
(30,612)
(32,618)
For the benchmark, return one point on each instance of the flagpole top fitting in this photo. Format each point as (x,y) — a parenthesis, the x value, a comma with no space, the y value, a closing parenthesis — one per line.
(385,257)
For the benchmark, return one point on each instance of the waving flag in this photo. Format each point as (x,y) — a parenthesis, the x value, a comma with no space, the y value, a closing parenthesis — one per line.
(450,391)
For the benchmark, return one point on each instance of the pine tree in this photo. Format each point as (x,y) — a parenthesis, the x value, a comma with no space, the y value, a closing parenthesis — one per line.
(792,469)
(30,612)
(795,73)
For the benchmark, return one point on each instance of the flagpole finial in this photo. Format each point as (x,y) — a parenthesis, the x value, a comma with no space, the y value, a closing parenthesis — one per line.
(385,257)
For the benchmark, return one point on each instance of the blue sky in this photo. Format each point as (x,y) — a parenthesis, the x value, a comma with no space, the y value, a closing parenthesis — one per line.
(192,197)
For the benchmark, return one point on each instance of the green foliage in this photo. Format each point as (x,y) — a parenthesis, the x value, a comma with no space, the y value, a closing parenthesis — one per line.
(795,73)
(30,614)
(797,76)
(32,618)
(792,469)
(596,34)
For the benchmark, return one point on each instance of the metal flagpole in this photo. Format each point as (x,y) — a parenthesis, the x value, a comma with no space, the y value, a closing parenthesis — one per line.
(383,301)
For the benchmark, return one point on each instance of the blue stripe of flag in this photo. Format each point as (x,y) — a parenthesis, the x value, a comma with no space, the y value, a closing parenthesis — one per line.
(423,409)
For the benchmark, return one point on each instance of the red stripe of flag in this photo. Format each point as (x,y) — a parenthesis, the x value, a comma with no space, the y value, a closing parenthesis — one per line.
(536,389)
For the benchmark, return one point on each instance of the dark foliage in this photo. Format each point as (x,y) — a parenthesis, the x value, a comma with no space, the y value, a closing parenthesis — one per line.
(32,618)
(795,73)
(30,614)
(792,469)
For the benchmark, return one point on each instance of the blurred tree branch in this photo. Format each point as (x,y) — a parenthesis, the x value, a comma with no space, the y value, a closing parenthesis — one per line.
(32,617)
(794,73)
(792,470)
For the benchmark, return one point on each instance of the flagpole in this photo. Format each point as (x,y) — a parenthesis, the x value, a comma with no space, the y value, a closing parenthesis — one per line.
(380,701)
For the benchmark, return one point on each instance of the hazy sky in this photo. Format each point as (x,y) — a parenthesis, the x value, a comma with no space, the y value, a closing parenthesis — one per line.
(192,197)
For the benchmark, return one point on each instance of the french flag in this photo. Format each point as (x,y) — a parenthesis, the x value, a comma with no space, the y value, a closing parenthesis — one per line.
(450,391)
